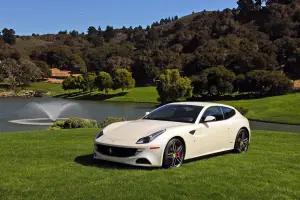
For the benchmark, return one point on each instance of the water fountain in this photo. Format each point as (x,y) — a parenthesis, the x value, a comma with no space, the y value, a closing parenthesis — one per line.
(52,110)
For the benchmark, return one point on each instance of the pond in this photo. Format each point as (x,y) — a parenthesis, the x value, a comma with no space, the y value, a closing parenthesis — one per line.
(33,108)
(27,110)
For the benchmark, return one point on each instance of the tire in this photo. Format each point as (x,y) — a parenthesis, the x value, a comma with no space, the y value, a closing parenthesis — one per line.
(173,158)
(242,141)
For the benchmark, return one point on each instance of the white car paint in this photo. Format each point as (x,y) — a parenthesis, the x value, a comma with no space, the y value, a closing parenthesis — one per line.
(207,138)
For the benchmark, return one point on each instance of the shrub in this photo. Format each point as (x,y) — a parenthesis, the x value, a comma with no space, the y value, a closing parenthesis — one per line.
(17,90)
(74,122)
(242,110)
(58,124)
(110,120)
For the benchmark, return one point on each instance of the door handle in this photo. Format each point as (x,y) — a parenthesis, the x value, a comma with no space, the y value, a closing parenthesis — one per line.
(192,132)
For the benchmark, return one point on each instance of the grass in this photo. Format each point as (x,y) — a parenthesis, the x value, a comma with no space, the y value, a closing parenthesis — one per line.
(138,94)
(282,109)
(54,88)
(58,165)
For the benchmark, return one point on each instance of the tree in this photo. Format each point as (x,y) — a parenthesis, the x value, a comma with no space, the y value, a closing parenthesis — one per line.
(63,32)
(45,69)
(99,31)
(10,70)
(104,82)
(109,33)
(171,87)
(178,25)
(79,83)
(239,82)
(74,33)
(29,72)
(90,81)
(78,64)
(214,81)
(9,36)
(68,83)
(268,2)
(19,74)
(92,31)
(123,79)
(263,82)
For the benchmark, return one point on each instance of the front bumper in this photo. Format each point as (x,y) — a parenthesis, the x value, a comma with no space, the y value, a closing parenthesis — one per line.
(148,156)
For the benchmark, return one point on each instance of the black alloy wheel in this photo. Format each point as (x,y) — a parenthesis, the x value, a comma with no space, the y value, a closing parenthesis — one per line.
(174,154)
(241,142)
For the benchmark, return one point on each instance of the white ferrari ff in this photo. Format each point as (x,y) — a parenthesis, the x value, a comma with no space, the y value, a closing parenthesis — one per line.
(173,133)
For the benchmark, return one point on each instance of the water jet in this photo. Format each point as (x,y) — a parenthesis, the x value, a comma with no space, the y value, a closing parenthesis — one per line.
(52,110)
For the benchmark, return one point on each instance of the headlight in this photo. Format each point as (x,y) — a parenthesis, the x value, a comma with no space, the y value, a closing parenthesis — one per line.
(99,134)
(151,137)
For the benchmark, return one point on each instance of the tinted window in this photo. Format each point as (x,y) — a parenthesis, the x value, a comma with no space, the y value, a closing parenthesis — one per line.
(213,111)
(176,113)
(228,112)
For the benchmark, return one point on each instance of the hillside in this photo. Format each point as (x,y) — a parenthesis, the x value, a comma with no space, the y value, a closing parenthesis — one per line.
(251,37)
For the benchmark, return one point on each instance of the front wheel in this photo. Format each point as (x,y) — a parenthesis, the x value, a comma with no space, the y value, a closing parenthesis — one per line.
(241,142)
(174,154)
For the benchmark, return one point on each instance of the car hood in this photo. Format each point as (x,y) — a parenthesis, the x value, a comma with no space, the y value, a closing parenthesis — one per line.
(137,129)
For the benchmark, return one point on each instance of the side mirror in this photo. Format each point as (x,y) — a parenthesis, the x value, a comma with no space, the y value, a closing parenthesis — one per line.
(209,119)
(147,113)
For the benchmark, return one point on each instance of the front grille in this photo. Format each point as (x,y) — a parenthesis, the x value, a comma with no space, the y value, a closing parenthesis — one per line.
(115,151)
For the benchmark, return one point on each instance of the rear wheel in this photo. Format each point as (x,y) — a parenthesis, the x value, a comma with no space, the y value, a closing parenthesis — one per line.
(174,154)
(242,141)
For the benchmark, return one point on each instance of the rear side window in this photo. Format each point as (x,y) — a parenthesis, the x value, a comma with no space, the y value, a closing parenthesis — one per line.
(214,111)
(228,112)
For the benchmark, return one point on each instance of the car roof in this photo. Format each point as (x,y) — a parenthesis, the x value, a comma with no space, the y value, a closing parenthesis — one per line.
(203,104)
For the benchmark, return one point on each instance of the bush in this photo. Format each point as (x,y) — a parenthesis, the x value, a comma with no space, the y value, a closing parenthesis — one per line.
(17,90)
(74,122)
(110,120)
(58,124)
(242,110)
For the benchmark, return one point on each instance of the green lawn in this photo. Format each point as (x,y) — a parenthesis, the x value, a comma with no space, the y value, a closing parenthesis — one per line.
(54,88)
(58,165)
(139,94)
(284,108)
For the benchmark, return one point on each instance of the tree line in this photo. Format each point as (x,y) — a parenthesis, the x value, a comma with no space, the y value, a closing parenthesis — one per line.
(220,52)
(103,81)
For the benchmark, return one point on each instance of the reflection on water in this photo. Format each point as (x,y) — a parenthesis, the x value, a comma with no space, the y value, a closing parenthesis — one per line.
(21,108)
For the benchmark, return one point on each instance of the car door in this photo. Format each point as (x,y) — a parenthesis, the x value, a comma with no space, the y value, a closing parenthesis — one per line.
(210,135)
(229,113)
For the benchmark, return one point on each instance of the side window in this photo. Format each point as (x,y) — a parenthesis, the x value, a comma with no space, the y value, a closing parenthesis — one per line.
(228,112)
(213,111)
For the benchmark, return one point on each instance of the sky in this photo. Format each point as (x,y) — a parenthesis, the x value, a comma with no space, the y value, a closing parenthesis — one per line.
(42,16)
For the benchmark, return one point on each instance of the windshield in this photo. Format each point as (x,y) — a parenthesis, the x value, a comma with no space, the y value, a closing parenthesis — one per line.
(176,113)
